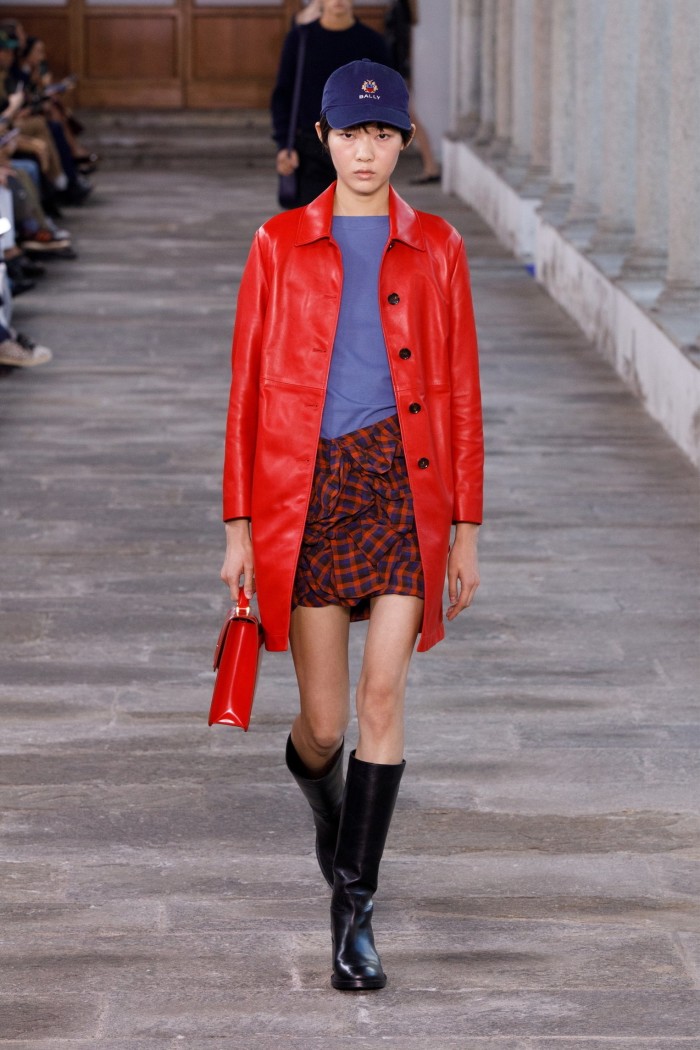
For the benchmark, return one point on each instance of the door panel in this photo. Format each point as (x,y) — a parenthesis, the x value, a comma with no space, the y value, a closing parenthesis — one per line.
(233,58)
(165,54)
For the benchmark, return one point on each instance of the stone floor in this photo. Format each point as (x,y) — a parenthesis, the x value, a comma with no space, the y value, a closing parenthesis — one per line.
(157,883)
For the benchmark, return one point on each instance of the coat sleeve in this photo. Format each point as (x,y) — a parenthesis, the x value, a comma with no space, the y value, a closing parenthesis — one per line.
(242,421)
(466,421)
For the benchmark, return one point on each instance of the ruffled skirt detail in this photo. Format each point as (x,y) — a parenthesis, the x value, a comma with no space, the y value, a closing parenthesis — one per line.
(360,536)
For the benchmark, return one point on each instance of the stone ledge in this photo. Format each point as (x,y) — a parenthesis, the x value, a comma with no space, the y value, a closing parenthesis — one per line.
(663,374)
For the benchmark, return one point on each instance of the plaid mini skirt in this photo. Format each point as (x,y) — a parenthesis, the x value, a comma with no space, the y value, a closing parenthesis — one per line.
(360,536)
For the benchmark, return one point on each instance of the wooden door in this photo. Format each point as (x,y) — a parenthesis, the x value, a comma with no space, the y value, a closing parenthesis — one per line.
(167,54)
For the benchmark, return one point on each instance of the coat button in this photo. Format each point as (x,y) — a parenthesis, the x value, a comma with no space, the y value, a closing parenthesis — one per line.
(404,353)
(414,407)
(394,298)
(423,463)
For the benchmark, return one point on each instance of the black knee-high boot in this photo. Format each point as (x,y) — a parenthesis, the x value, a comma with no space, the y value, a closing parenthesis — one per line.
(325,796)
(368,805)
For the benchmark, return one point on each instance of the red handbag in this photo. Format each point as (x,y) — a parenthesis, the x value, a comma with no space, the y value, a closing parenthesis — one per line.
(237,659)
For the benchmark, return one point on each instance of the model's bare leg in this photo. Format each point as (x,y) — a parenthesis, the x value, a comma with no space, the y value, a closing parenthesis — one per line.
(319,641)
(392,633)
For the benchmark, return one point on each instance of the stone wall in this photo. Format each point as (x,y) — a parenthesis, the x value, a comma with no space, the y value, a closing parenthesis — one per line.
(575,133)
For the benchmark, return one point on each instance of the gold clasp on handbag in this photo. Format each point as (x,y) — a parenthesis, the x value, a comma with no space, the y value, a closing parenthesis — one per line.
(242,609)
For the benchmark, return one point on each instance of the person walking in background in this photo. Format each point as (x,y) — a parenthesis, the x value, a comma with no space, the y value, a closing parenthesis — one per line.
(353,445)
(400,17)
(332,40)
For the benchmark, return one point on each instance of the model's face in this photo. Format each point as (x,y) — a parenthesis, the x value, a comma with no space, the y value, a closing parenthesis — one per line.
(364,157)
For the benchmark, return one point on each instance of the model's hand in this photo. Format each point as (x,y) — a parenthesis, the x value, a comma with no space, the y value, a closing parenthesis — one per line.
(287,161)
(238,560)
(462,569)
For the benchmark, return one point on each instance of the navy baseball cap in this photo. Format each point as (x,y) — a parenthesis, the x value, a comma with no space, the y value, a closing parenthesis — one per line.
(366,92)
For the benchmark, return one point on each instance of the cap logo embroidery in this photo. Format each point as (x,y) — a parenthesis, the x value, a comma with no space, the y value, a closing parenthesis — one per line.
(370,90)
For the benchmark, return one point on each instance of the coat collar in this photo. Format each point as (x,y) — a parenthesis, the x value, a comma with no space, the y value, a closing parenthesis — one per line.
(316,220)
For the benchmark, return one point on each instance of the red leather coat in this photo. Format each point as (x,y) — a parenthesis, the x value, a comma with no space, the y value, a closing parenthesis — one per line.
(283,337)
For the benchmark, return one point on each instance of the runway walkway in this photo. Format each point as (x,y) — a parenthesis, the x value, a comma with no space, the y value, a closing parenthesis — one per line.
(157,883)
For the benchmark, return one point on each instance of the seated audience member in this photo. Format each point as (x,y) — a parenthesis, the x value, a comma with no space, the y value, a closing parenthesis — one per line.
(51,96)
(43,98)
(16,349)
(42,168)
(20,279)
(34,230)
(39,138)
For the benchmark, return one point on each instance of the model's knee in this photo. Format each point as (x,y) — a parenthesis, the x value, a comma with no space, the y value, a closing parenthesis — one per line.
(379,708)
(323,736)
(327,741)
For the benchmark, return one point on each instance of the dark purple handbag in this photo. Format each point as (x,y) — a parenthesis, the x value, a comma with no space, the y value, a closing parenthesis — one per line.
(288,190)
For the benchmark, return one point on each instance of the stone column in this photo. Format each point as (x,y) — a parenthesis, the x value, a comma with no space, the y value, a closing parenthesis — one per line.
(615,227)
(487,122)
(466,68)
(522,82)
(683,275)
(504,77)
(588,144)
(562,95)
(561,112)
(541,85)
(455,65)
(649,251)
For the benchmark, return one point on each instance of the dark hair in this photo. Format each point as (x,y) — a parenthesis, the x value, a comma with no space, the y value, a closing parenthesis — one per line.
(31,41)
(406,136)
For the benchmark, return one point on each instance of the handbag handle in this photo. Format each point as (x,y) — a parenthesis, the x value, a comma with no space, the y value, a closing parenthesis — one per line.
(242,603)
(240,610)
(296,96)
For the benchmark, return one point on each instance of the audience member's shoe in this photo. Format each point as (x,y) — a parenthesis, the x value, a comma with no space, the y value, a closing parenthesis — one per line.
(77,191)
(31,268)
(29,344)
(86,163)
(20,285)
(59,234)
(44,240)
(20,268)
(46,245)
(23,353)
(59,251)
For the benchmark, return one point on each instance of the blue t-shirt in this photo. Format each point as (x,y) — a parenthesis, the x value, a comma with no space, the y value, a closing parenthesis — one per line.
(360,390)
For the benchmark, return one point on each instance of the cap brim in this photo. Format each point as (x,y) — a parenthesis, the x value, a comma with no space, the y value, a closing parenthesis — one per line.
(371,113)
